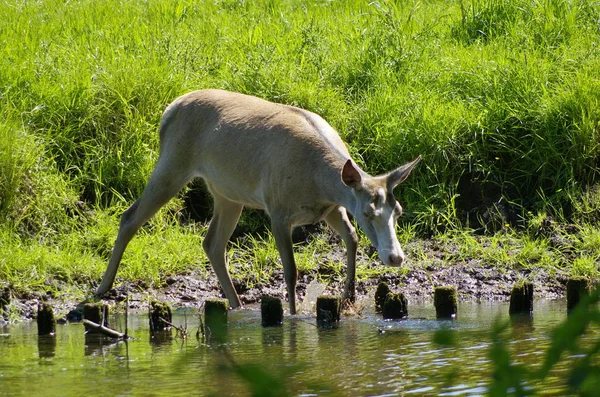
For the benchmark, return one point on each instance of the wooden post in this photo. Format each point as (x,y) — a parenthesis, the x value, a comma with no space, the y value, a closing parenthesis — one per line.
(96,313)
(271,311)
(4,300)
(521,299)
(328,310)
(577,288)
(160,316)
(445,300)
(45,320)
(395,306)
(380,295)
(215,318)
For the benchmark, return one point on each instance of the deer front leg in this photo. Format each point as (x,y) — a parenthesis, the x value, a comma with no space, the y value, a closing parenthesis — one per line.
(339,221)
(225,217)
(283,239)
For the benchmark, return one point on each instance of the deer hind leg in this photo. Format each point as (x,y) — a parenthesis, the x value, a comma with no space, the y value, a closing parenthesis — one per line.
(225,216)
(339,221)
(163,185)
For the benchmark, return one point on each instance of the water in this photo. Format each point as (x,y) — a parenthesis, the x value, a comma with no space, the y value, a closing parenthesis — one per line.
(362,357)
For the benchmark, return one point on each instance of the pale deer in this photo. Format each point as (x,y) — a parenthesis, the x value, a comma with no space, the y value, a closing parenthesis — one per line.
(282,159)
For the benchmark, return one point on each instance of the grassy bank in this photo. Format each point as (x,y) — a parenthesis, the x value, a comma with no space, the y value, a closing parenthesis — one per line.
(501,98)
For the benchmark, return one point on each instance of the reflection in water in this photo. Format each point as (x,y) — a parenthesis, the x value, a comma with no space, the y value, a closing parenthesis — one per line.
(272,336)
(46,346)
(99,345)
(291,348)
(354,359)
(522,326)
(160,338)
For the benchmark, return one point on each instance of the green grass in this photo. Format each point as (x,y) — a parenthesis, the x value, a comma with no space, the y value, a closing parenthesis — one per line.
(500,97)
(254,259)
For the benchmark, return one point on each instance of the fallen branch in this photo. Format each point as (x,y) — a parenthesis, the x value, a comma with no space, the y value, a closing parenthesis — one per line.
(180,330)
(104,330)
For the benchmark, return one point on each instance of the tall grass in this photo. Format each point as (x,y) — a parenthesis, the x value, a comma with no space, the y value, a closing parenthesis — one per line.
(500,97)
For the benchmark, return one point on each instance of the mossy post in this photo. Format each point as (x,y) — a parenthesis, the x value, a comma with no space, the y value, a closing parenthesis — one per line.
(97,313)
(215,318)
(521,299)
(160,316)
(45,320)
(445,300)
(328,310)
(395,306)
(577,288)
(380,295)
(4,300)
(271,310)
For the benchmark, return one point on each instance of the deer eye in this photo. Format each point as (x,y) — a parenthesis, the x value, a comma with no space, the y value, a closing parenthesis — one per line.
(376,201)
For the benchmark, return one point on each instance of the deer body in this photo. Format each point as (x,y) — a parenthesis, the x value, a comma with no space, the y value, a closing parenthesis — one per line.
(258,154)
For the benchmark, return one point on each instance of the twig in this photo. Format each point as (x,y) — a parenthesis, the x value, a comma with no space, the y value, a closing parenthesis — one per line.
(126,314)
(182,330)
(104,330)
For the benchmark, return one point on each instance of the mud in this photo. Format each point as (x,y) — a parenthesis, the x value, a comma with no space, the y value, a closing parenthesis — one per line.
(474,280)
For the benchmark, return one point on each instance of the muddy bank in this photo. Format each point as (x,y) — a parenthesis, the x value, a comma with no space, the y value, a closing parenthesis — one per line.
(474,280)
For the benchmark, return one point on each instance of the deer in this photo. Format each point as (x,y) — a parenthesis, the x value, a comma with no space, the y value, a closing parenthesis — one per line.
(274,157)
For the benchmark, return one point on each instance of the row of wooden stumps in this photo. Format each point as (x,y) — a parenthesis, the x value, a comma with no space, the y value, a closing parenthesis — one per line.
(95,320)
(214,325)
(95,317)
(521,296)
(392,305)
(445,300)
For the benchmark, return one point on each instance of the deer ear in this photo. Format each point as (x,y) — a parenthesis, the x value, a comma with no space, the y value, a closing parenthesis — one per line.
(400,174)
(350,175)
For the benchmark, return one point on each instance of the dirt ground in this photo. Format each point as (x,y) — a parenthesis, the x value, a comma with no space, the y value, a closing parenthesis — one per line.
(474,280)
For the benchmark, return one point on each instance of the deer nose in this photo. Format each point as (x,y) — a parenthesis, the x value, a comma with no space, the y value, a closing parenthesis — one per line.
(396,259)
